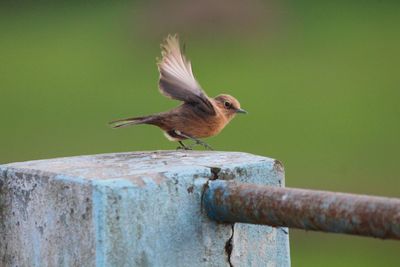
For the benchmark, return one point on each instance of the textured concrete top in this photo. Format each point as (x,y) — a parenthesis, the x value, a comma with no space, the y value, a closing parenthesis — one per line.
(129,165)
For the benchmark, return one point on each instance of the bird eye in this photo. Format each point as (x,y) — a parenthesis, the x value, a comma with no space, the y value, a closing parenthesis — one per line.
(227,104)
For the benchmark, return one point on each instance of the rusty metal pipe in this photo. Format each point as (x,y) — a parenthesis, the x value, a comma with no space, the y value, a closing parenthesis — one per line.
(228,201)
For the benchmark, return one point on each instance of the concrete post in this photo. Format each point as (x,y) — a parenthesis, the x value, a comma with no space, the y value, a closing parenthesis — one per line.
(132,209)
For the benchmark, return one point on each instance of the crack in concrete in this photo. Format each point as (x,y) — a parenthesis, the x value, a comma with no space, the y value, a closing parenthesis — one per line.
(229,243)
(215,172)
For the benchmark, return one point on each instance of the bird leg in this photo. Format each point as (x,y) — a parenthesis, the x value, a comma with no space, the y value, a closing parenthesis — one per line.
(183,146)
(202,143)
(197,141)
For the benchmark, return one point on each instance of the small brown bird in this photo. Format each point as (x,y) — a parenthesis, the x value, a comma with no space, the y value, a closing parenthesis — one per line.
(199,116)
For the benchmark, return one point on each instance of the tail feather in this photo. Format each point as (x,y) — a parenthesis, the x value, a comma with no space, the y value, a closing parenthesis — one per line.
(130,121)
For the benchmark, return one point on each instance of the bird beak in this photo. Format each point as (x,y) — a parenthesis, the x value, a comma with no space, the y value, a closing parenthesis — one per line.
(239,110)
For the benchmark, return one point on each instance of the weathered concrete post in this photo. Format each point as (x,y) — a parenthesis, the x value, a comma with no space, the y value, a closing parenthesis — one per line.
(132,209)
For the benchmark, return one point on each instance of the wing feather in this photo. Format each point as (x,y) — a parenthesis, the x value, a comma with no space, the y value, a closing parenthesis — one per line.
(176,77)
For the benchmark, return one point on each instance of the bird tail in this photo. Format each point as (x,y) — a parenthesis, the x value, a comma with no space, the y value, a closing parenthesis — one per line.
(131,121)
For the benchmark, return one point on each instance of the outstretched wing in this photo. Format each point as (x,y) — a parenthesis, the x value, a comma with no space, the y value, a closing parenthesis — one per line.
(176,77)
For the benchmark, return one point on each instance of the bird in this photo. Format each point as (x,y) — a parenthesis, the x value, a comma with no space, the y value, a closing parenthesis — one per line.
(198,116)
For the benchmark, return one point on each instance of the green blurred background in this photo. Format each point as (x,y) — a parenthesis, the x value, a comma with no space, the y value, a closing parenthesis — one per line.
(320,81)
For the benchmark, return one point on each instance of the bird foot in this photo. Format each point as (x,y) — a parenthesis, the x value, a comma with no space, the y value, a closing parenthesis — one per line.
(197,142)
(204,144)
(183,148)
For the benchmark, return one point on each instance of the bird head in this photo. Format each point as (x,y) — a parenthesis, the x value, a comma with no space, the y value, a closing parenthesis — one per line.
(228,105)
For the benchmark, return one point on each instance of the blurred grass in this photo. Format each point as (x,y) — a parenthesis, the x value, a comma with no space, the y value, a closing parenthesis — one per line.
(322,94)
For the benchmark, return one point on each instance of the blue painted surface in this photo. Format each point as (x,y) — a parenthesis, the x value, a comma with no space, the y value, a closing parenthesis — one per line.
(132,209)
(216,212)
